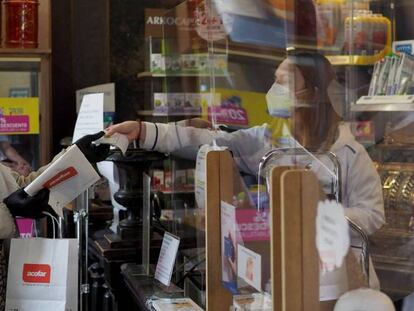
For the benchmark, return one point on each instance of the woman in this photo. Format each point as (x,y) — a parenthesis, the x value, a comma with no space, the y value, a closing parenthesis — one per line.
(300,92)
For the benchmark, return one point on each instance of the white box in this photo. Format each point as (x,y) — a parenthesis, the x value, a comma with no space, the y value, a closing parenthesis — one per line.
(157,63)
(160,103)
(180,177)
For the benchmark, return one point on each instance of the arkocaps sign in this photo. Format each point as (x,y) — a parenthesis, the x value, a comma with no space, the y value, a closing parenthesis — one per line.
(199,19)
(155,19)
(169,20)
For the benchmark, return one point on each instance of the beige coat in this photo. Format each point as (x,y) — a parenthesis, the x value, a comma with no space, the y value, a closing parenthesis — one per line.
(11,181)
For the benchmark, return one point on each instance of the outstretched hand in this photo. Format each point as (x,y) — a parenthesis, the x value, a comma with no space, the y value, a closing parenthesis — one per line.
(131,129)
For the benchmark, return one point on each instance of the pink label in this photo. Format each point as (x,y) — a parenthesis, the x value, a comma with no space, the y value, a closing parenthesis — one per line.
(25,227)
(229,115)
(253,225)
(14,124)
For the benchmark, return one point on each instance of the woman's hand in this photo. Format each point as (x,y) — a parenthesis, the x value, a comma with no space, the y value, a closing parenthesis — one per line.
(130,128)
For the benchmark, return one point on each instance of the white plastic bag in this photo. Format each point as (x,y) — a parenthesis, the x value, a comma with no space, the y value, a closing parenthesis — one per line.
(43,275)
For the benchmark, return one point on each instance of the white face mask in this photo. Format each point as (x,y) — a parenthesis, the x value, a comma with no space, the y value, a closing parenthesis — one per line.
(279,101)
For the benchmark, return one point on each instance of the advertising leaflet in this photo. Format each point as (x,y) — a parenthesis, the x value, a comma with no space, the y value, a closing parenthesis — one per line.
(66,178)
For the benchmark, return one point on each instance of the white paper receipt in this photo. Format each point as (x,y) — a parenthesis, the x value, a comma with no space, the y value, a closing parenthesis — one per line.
(332,235)
(118,140)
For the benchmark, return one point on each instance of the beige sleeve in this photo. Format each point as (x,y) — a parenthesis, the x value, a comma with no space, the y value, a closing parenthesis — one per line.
(7,224)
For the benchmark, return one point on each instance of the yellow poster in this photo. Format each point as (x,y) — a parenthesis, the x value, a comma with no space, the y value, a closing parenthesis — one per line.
(19,116)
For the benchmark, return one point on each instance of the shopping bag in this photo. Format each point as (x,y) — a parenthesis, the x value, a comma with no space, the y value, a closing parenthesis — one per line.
(42,275)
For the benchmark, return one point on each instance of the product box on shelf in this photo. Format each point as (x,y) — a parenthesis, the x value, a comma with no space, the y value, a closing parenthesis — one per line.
(158,179)
(167,180)
(160,103)
(162,180)
(180,178)
(406,46)
(393,75)
(188,64)
(177,103)
(157,63)
(190,177)
(192,103)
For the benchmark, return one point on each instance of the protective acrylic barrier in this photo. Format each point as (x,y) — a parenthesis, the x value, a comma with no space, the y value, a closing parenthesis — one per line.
(279,83)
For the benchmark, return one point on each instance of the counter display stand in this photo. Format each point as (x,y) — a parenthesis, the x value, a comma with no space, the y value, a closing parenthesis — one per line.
(295,264)
(294,261)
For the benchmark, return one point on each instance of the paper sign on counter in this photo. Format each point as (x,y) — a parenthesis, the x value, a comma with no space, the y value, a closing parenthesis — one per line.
(249,267)
(90,117)
(66,178)
(228,231)
(166,260)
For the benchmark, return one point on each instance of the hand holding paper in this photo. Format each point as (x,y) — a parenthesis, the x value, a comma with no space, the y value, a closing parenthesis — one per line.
(89,121)
(118,140)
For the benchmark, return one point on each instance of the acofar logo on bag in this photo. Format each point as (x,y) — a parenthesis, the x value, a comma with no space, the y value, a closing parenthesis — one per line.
(36,273)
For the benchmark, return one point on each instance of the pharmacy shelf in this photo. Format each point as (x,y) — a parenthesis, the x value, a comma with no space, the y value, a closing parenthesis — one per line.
(362,60)
(174,191)
(384,103)
(151,113)
(148,74)
(24,52)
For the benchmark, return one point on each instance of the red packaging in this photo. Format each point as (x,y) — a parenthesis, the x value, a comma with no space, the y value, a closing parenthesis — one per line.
(21,25)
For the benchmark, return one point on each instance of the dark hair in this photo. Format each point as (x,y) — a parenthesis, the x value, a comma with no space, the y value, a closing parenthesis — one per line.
(319,123)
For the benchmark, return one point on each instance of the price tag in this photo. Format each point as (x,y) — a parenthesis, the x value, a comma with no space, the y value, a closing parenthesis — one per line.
(332,235)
